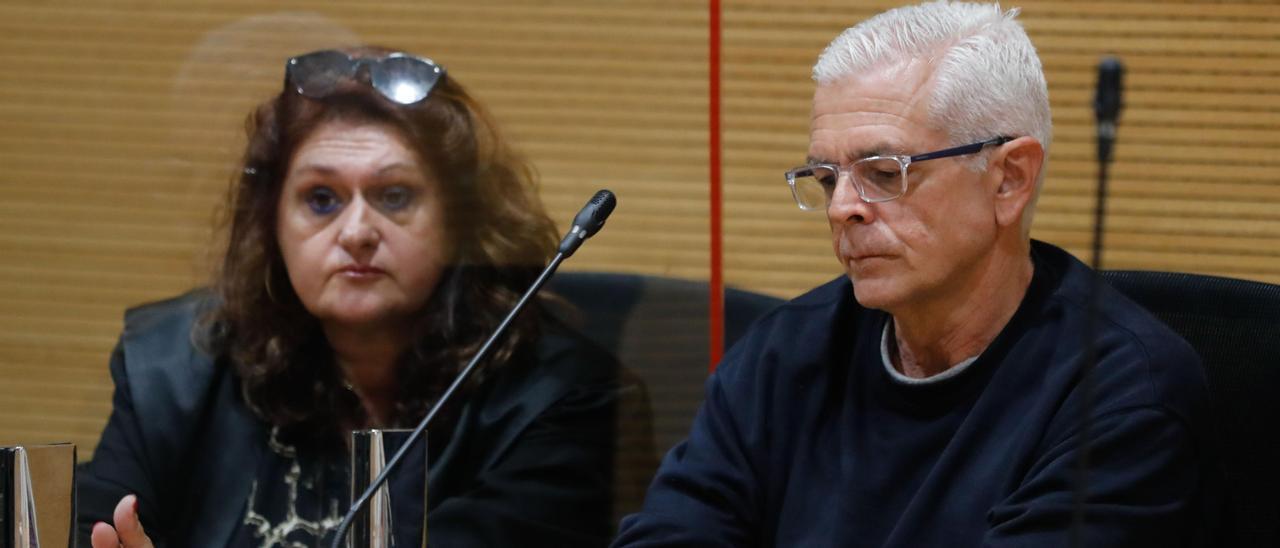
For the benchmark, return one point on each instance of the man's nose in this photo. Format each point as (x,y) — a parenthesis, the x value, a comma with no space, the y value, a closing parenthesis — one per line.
(359,228)
(846,206)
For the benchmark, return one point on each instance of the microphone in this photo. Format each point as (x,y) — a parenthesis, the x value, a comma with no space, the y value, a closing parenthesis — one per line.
(1107,104)
(588,221)
(1106,108)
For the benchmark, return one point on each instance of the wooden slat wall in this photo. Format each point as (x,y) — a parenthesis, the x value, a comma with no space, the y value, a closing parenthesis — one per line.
(120,124)
(1196,182)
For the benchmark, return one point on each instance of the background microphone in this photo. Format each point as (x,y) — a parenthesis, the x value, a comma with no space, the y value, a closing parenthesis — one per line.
(588,221)
(1106,107)
(585,224)
(1107,104)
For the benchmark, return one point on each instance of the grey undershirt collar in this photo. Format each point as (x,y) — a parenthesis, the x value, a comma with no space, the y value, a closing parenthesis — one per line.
(903,379)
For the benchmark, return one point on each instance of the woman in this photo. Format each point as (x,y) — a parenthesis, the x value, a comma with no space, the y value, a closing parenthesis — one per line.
(378,233)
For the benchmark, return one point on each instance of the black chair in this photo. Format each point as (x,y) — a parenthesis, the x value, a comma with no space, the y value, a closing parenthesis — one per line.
(1235,327)
(658,327)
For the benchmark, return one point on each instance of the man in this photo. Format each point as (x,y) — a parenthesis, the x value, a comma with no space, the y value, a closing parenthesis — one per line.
(937,399)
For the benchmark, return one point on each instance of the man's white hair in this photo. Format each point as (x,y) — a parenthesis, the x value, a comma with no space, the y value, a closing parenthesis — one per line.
(987,78)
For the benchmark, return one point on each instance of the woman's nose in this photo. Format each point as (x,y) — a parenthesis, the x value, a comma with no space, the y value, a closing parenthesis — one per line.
(359,227)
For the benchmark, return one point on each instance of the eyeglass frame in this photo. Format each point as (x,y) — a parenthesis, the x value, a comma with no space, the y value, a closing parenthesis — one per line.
(903,162)
(353,71)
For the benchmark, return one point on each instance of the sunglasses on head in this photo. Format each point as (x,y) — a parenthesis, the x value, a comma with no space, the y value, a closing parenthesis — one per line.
(400,77)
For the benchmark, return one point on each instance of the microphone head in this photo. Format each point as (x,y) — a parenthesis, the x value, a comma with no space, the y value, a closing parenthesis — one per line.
(1106,102)
(588,221)
(593,215)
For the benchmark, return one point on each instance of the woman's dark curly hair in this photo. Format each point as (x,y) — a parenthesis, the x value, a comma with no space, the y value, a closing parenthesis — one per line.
(500,234)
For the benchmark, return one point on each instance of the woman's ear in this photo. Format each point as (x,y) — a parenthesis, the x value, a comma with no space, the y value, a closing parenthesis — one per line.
(1020,162)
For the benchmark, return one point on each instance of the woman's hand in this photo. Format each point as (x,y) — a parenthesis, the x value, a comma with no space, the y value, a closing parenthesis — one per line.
(128,530)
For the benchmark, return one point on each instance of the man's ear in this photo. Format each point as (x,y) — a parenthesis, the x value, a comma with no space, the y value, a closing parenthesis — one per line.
(1020,162)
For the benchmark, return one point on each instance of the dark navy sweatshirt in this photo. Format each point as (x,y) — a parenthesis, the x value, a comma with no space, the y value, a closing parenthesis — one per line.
(804,438)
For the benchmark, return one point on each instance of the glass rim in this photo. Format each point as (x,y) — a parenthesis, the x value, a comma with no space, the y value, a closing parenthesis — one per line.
(869,193)
(318,73)
(902,160)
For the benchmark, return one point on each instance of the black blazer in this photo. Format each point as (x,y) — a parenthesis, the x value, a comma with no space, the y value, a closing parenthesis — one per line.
(540,440)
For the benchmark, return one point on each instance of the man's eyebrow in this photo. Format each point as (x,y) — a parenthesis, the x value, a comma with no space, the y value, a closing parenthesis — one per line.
(882,148)
(879,149)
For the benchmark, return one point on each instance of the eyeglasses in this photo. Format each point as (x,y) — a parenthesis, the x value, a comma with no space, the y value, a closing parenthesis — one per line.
(877,178)
(400,77)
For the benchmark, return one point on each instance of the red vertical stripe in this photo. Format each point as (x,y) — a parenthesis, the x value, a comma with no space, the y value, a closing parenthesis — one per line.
(717,274)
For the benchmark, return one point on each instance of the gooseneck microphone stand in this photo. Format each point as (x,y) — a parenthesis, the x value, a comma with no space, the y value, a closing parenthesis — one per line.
(1106,107)
(588,221)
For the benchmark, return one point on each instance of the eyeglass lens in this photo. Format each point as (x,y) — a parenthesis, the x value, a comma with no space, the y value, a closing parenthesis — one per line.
(812,186)
(317,74)
(879,178)
(405,80)
(876,179)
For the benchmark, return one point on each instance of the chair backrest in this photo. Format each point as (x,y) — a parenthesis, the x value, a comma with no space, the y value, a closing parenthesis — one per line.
(658,328)
(1235,327)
